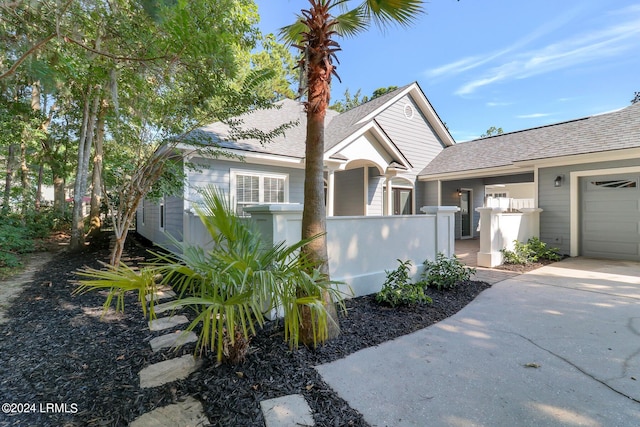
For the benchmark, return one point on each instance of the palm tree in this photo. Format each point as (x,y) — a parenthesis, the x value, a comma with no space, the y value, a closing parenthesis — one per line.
(314,35)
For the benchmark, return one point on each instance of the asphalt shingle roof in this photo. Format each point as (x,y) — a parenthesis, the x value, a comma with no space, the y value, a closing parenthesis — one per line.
(604,132)
(292,143)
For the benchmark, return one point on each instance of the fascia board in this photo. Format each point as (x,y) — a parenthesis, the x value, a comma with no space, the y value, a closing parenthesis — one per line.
(386,143)
(477,173)
(576,159)
(254,158)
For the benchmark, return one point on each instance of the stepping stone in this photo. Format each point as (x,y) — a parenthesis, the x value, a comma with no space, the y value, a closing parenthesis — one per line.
(189,413)
(161,294)
(174,339)
(168,371)
(167,322)
(165,306)
(291,410)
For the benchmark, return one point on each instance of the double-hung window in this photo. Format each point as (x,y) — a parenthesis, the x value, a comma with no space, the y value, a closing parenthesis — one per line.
(251,188)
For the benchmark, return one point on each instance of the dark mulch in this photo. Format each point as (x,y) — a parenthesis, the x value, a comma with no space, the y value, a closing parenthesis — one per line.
(57,349)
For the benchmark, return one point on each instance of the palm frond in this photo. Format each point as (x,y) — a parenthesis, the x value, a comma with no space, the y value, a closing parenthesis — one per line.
(386,12)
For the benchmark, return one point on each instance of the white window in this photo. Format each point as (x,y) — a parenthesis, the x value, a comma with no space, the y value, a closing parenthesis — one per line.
(250,188)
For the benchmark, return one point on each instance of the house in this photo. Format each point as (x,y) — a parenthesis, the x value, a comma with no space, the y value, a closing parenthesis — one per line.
(373,155)
(393,155)
(584,174)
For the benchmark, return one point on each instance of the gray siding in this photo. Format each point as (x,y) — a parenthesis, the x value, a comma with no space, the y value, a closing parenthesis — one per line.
(349,192)
(218,172)
(450,198)
(555,219)
(149,226)
(426,194)
(414,137)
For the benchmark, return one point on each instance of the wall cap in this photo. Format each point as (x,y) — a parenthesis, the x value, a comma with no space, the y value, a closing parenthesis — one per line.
(439,209)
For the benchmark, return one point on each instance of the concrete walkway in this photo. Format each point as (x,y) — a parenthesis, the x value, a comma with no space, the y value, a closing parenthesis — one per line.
(467,252)
(558,346)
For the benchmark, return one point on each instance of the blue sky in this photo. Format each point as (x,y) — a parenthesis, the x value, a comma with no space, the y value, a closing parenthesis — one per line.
(508,64)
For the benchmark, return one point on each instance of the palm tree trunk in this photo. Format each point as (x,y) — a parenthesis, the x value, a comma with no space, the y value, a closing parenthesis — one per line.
(314,214)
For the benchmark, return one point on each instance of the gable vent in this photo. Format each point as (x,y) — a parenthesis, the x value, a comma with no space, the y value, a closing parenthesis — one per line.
(408,111)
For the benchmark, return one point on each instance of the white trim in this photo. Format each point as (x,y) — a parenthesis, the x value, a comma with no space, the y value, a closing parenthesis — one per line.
(470,213)
(576,159)
(574,197)
(477,173)
(382,138)
(536,177)
(247,157)
(233,173)
(365,179)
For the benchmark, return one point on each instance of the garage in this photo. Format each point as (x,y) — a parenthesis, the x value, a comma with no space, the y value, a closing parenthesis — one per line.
(610,216)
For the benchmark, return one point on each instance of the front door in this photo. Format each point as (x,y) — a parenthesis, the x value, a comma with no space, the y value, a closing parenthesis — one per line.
(402,201)
(465,213)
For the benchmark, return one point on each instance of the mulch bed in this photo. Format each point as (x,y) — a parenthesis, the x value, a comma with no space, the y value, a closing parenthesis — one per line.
(58,349)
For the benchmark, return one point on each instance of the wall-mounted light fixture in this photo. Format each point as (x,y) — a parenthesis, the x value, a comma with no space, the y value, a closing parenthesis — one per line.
(459,191)
(558,181)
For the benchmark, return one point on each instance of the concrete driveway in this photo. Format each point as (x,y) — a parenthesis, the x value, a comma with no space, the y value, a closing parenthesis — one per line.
(558,346)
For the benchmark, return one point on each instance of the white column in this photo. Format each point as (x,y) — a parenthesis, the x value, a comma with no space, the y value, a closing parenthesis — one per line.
(388,209)
(490,237)
(445,227)
(331,181)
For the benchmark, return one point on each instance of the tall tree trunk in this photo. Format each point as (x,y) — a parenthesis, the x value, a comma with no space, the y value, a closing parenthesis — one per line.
(11,158)
(39,187)
(59,195)
(319,70)
(96,189)
(84,154)
(24,180)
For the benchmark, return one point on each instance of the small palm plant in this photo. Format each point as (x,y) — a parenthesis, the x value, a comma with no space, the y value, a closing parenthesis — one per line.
(230,286)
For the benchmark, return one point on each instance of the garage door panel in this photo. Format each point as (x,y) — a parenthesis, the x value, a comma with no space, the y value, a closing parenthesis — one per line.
(604,206)
(610,216)
(623,229)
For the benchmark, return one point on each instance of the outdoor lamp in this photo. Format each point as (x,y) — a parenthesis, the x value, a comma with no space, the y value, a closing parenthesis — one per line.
(558,181)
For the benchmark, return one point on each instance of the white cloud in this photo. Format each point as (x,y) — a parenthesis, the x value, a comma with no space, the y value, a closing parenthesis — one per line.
(498,104)
(533,116)
(583,48)
(471,62)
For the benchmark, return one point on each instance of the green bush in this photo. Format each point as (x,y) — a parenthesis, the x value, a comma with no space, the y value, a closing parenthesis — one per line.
(445,273)
(398,289)
(229,286)
(532,251)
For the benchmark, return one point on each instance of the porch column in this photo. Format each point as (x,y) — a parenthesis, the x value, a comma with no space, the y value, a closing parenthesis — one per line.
(491,240)
(330,190)
(445,227)
(388,209)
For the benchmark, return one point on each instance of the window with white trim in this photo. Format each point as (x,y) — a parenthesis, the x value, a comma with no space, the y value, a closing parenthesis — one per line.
(251,188)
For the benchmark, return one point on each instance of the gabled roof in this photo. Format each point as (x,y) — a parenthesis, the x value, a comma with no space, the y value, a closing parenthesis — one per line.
(600,133)
(338,127)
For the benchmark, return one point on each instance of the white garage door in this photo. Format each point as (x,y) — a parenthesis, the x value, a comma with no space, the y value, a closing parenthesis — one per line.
(610,216)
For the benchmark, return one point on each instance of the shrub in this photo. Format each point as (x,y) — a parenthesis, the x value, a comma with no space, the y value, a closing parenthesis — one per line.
(398,289)
(230,286)
(445,273)
(532,251)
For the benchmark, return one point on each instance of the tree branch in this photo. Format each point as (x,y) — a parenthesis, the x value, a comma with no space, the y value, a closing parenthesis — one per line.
(20,60)
(109,55)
